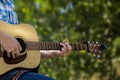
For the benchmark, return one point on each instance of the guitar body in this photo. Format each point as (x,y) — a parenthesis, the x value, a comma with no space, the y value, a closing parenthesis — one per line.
(27,33)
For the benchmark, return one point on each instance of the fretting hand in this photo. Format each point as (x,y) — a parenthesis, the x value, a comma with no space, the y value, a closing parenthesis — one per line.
(65,50)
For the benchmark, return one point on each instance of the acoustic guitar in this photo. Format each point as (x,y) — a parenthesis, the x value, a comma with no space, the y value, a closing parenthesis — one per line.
(29,57)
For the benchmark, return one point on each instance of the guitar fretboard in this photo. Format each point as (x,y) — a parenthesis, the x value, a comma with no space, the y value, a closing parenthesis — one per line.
(53,46)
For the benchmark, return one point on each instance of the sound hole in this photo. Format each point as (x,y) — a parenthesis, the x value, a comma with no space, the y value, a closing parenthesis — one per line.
(10,60)
(23,44)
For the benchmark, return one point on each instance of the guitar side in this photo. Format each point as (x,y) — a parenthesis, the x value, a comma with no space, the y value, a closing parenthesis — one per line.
(28,33)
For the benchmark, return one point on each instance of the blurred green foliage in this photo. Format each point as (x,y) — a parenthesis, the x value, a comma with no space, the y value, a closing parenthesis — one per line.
(77,21)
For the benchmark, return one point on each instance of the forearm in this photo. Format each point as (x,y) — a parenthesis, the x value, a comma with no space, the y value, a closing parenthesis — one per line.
(49,53)
(2,34)
(4,37)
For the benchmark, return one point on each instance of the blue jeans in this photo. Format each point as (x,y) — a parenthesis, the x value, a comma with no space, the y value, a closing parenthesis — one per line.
(33,76)
(25,76)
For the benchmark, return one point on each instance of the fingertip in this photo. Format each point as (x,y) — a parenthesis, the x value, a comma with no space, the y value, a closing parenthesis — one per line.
(62,44)
(20,48)
(8,54)
(13,55)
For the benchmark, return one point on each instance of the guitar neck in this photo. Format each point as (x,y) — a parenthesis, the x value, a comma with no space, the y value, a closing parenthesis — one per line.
(53,46)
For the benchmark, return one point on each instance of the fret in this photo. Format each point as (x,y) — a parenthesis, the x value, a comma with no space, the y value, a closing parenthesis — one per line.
(39,47)
(73,47)
(58,46)
(55,46)
(48,46)
(35,46)
(44,45)
(77,46)
(52,46)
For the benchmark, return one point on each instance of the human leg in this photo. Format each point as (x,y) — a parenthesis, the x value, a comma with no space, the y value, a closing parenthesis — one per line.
(33,76)
(9,75)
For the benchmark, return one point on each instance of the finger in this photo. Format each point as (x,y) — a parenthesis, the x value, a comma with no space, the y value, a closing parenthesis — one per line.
(17,53)
(19,47)
(64,47)
(13,54)
(9,52)
(69,47)
(63,50)
(17,50)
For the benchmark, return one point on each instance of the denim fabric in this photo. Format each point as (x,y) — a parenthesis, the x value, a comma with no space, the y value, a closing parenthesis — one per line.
(33,76)
(28,75)
(8,75)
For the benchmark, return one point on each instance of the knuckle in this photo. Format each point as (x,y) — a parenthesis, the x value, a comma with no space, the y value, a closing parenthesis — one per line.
(9,50)
(16,47)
